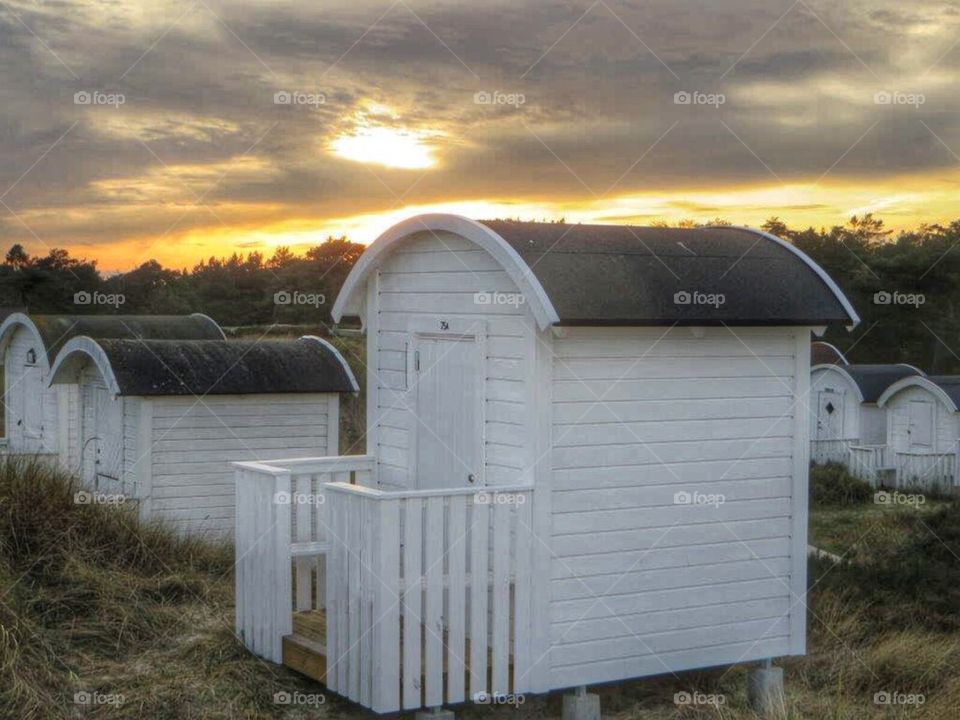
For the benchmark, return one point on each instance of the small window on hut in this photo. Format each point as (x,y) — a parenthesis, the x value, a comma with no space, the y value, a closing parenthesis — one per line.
(31,357)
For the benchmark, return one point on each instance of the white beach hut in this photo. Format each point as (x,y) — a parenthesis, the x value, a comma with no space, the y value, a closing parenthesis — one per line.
(923,430)
(847,425)
(587,461)
(161,419)
(40,419)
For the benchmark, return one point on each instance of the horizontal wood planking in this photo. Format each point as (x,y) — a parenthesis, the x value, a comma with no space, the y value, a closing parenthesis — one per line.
(725,653)
(426,279)
(689,576)
(664,493)
(194,444)
(612,626)
(677,451)
(716,594)
(638,416)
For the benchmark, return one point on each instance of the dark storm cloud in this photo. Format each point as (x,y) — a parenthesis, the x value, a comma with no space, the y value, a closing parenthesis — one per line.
(199,82)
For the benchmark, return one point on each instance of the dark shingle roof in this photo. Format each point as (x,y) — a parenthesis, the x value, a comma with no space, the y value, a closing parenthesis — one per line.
(618,275)
(874,379)
(217,367)
(950,384)
(56,330)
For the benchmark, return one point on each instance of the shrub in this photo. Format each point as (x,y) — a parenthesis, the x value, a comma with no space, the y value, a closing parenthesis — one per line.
(832,484)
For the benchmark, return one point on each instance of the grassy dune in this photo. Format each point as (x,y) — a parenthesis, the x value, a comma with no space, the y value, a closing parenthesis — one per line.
(95,604)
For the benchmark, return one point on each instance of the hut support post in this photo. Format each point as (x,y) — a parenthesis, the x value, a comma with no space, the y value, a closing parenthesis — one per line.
(765,690)
(581,705)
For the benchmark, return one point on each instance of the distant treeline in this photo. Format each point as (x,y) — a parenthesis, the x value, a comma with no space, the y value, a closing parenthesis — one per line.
(906,287)
(240,290)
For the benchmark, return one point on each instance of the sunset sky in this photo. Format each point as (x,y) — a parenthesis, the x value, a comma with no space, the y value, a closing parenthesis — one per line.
(177,130)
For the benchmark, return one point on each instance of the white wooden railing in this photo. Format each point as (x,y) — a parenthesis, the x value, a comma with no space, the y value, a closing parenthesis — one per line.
(424,586)
(925,470)
(833,450)
(281,541)
(864,461)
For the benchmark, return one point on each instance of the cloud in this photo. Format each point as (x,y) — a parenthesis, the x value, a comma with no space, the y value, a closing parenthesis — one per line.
(199,117)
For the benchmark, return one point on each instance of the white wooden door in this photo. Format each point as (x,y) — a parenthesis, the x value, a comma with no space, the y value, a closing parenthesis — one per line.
(102,433)
(920,429)
(448,421)
(31,395)
(830,413)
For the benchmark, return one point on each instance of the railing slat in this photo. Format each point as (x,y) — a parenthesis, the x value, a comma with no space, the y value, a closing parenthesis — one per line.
(302,509)
(500,636)
(368,560)
(523,572)
(479,552)
(456,599)
(412,547)
(433,543)
(343,593)
(386,611)
(281,587)
(354,602)
(335,584)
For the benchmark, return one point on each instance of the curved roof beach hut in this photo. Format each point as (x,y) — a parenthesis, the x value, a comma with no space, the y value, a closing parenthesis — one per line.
(923,429)
(38,418)
(823,353)
(844,413)
(161,419)
(608,407)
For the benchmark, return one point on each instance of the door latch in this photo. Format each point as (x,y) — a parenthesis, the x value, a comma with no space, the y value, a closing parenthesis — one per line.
(472,478)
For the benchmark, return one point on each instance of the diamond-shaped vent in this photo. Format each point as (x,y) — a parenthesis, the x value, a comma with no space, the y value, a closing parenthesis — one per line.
(830,408)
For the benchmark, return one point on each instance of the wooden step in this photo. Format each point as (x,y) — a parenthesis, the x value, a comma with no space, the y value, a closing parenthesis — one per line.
(306,656)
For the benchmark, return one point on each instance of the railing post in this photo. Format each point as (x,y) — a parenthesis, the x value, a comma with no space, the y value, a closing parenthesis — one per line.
(281,560)
(386,608)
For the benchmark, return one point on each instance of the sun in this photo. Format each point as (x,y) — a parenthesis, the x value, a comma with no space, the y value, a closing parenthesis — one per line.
(391,147)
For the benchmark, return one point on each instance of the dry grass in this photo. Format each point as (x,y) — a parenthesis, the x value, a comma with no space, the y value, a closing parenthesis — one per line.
(93,600)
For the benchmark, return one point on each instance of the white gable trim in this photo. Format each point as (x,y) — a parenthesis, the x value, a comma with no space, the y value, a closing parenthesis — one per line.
(350,298)
(72,353)
(837,292)
(340,359)
(14,322)
(830,367)
(921,382)
(210,320)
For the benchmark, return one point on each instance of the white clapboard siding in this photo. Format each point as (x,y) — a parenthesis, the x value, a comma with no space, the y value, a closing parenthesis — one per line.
(27,396)
(193,444)
(642,423)
(439,275)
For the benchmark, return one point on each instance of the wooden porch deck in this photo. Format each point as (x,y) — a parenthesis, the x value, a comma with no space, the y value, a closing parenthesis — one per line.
(305,650)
